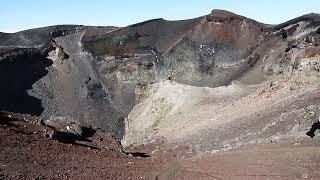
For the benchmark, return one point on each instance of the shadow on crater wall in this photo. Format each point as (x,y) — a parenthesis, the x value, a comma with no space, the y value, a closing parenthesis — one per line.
(314,128)
(17,75)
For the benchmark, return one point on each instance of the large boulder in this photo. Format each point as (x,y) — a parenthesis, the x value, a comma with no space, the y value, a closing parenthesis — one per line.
(64,124)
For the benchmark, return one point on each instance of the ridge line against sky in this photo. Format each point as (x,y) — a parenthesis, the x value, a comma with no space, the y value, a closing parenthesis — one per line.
(25,14)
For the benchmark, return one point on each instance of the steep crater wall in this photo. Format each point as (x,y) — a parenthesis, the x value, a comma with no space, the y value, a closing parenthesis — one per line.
(91,73)
(19,70)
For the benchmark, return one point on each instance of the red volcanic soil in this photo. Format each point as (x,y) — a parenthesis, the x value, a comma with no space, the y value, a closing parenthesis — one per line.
(27,154)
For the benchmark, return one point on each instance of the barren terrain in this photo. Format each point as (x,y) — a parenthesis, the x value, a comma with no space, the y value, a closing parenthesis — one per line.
(220,96)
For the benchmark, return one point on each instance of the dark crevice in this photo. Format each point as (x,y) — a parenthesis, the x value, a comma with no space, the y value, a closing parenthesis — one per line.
(6,121)
(314,128)
(88,132)
(17,75)
(70,138)
(137,154)
(284,34)
(73,138)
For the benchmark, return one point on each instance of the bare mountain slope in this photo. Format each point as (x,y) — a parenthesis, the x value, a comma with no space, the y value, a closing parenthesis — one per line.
(219,96)
(92,73)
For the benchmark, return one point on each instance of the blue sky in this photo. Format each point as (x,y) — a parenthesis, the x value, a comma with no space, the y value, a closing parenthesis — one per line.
(24,14)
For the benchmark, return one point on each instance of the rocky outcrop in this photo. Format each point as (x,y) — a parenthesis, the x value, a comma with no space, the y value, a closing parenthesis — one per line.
(297,55)
(65,32)
(64,124)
